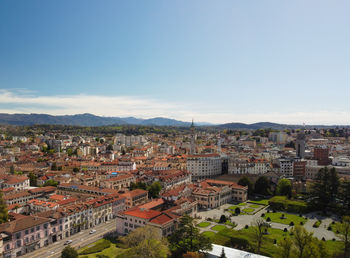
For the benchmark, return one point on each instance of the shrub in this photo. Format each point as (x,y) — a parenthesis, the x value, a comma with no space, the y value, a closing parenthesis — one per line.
(222,219)
(333,239)
(285,230)
(317,224)
(275,241)
(323,239)
(263,215)
(291,223)
(268,219)
(333,222)
(268,211)
(300,215)
(246,227)
(99,247)
(301,223)
(329,228)
(237,210)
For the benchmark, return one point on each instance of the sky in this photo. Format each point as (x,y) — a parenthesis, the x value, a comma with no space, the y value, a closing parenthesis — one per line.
(213,61)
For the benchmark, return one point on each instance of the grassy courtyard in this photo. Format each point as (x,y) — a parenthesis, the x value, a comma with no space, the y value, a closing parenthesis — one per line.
(112,251)
(264,202)
(218,227)
(245,236)
(204,224)
(288,218)
(246,208)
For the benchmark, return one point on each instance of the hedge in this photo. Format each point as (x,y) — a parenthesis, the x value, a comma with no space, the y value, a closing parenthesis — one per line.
(281,203)
(99,247)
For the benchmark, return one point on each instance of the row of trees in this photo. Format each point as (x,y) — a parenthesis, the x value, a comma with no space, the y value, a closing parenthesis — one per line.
(329,193)
(153,189)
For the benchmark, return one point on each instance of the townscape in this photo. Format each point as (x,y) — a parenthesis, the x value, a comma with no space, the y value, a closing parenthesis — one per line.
(251,191)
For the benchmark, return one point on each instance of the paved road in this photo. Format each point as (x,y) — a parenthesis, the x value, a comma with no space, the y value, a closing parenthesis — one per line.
(80,239)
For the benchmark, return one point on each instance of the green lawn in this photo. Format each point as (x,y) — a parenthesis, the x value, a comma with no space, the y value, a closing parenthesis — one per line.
(209,234)
(218,227)
(112,251)
(268,247)
(203,224)
(242,204)
(262,202)
(276,217)
(256,206)
(248,210)
(229,223)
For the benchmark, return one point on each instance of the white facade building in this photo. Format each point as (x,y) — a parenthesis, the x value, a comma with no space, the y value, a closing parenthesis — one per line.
(204,166)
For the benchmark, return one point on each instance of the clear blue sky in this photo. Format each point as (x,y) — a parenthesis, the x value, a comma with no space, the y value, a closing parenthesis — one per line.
(216,61)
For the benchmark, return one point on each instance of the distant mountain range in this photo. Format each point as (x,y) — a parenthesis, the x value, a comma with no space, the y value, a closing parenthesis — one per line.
(92,120)
(87,120)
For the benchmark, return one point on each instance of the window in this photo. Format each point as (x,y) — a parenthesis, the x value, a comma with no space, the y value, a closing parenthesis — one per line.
(18,235)
(26,232)
(8,247)
(37,228)
(38,236)
(46,234)
(18,243)
(31,230)
(45,225)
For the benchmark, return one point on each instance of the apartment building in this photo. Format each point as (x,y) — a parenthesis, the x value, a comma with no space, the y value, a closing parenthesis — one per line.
(24,235)
(204,166)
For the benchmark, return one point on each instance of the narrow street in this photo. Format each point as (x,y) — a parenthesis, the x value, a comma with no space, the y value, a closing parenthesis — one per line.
(80,239)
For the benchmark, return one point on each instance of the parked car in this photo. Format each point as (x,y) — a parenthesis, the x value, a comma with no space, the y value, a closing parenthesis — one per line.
(68,242)
(92,231)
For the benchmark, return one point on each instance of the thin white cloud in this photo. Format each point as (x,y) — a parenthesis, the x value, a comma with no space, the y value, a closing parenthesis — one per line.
(124,106)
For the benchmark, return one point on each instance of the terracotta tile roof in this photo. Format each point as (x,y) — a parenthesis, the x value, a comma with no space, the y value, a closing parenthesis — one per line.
(22,224)
(142,213)
(152,204)
(134,193)
(161,219)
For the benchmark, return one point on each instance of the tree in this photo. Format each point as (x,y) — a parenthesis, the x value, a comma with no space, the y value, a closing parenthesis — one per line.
(223,255)
(12,170)
(284,187)
(154,189)
(301,239)
(344,196)
(262,186)
(188,239)
(222,219)
(244,181)
(151,248)
(324,190)
(146,242)
(285,247)
(237,210)
(138,185)
(259,227)
(69,252)
(51,182)
(3,210)
(344,233)
(140,234)
(32,179)
(54,166)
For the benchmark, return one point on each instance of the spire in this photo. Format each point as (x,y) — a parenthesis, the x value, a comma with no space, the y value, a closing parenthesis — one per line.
(192,124)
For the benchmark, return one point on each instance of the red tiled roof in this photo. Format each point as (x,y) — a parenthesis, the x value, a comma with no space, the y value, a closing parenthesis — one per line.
(142,213)
(161,219)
